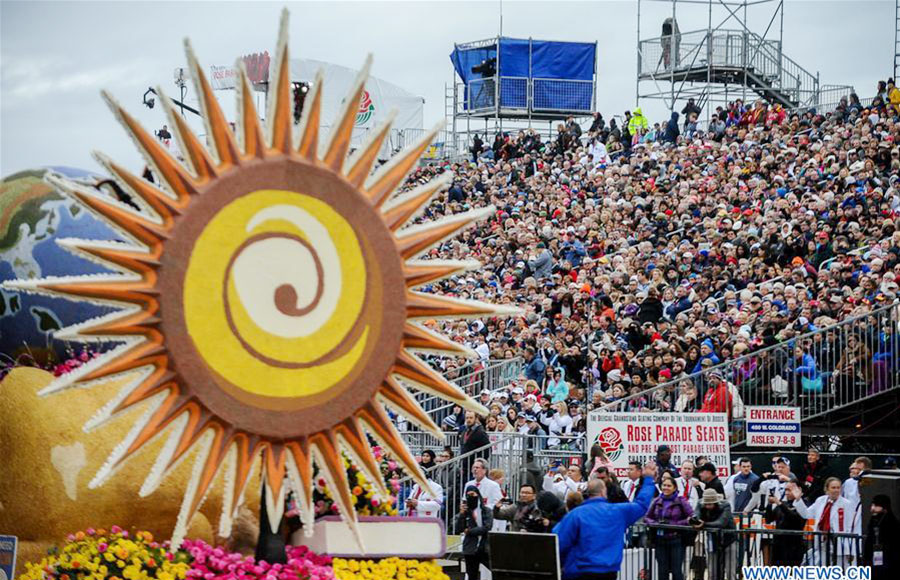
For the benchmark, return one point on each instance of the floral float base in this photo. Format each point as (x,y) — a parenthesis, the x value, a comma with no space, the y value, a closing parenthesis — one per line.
(381,537)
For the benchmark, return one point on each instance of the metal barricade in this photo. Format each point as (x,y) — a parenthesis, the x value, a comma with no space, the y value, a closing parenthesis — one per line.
(818,372)
(653,551)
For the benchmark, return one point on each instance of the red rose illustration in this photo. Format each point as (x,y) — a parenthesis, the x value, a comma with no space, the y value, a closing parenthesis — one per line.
(610,441)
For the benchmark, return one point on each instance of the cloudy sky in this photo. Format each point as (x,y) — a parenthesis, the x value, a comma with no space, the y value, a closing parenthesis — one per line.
(56,56)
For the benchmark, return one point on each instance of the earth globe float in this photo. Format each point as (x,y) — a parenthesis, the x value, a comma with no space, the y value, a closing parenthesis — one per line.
(34,217)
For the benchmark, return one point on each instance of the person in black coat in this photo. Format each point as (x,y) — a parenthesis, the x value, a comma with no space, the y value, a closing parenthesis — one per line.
(881,549)
(614,492)
(707,474)
(473,522)
(651,309)
(786,550)
(670,135)
(474,436)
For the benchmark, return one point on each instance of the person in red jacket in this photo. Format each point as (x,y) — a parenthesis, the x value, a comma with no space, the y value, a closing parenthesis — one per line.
(717,398)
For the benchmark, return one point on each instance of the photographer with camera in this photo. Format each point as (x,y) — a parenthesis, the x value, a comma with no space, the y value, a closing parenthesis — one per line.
(532,513)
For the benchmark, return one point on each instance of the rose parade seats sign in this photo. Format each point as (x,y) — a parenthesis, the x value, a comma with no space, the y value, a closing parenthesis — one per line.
(635,436)
(773,427)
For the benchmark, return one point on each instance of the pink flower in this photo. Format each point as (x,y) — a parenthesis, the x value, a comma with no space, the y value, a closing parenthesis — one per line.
(102,546)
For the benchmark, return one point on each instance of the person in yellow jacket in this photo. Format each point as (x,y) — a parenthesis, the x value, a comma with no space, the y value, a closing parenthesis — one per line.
(638,125)
(893,95)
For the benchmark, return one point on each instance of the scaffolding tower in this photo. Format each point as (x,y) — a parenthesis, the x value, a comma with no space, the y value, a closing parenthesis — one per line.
(726,60)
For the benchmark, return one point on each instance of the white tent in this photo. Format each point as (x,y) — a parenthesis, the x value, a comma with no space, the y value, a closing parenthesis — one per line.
(379,98)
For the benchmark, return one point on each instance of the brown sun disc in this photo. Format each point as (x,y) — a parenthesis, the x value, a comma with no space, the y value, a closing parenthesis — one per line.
(384,311)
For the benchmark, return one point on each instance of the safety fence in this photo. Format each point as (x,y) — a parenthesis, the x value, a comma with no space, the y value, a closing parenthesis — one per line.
(473,378)
(817,371)
(518,456)
(653,551)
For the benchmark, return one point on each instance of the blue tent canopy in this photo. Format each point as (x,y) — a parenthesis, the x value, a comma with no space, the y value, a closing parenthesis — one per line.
(560,75)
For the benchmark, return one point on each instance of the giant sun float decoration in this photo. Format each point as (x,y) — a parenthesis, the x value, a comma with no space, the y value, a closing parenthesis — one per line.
(265,299)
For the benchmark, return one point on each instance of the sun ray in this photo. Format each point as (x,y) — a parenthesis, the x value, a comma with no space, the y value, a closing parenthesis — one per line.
(395,395)
(151,198)
(218,133)
(274,466)
(354,442)
(180,183)
(381,428)
(389,177)
(419,339)
(280,112)
(245,450)
(310,119)
(401,210)
(414,241)
(300,471)
(421,306)
(195,154)
(413,370)
(250,134)
(339,141)
(133,226)
(129,261)
(331,468)
(364,159)
(422,272)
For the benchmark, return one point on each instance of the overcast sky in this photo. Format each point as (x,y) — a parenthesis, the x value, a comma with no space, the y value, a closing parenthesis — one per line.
(56,56)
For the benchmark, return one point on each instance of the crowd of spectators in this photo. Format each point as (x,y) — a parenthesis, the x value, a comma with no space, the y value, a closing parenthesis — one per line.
(643,253)
(592,512)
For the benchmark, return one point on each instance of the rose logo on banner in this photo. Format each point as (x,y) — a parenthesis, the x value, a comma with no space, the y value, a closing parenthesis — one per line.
(366,109)
(610,441)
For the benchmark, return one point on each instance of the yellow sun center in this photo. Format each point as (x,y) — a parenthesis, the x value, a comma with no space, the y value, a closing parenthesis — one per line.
(294,277)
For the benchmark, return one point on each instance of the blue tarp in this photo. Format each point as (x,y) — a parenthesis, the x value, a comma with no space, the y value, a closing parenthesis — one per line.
(536,59)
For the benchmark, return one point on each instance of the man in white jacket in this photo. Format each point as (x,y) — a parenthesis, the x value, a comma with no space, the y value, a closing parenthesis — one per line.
(423,504)
(832,513)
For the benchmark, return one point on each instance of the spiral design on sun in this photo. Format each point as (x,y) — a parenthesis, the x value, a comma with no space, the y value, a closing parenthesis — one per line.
(277,281)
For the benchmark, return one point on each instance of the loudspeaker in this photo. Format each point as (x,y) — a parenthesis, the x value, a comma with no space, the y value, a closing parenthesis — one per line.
(519,556)
(879,482)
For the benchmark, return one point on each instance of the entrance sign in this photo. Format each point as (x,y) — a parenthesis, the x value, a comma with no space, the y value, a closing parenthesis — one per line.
(773,427)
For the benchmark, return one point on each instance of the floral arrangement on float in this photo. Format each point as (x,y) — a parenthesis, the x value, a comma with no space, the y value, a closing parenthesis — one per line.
(117,554)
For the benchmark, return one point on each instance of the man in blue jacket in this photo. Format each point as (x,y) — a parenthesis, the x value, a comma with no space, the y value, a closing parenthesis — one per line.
(592,536)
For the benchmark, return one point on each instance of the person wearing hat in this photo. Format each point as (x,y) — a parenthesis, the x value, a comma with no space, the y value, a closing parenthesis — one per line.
(881,549)
(710,478)
(715,518)
(718,398)
(473,523)
(787,549)
(664,461)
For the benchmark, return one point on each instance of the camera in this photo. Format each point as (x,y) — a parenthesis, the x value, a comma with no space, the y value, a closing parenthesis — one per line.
(487,68)
(694,520)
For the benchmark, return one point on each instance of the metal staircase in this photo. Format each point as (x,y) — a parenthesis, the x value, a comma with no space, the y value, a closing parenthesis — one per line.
(730,57)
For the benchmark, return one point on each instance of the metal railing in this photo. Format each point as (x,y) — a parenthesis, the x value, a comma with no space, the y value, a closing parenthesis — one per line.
(523,93)
(473,378)
(746,56)
(817,371)
(510,452)
(715,554)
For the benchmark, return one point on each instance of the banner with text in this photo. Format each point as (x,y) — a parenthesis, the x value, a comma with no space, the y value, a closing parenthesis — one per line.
(635,436)
(773,427)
